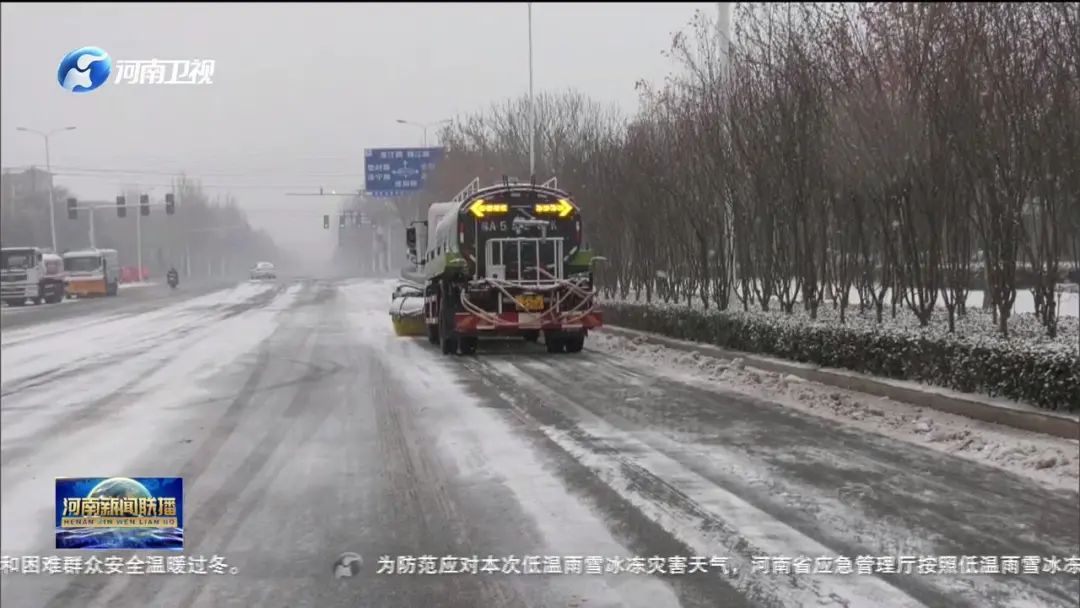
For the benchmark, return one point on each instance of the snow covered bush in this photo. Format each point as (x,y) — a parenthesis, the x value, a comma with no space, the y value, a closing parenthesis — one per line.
(1027,368)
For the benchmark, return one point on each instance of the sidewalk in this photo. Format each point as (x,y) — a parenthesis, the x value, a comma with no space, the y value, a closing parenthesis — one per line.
(979,407)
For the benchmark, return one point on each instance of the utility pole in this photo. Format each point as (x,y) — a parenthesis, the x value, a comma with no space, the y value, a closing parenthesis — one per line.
(723,33)
(52,209)
(138,244)
(532,105)
(48,169)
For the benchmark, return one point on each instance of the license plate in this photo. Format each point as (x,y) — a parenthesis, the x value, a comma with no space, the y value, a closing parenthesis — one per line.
(531,303)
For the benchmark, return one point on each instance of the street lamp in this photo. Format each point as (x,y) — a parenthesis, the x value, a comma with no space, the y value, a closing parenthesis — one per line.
(48,168)
(423,125)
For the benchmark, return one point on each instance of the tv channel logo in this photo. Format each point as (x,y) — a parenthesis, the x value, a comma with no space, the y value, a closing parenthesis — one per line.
(120,513)
(84,69)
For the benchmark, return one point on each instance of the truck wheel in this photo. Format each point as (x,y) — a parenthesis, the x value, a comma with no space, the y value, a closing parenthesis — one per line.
(468,344)
(432,330)
(38,301)
(447,340)
(575,344)
(554,345)
(449,345)
(532,335)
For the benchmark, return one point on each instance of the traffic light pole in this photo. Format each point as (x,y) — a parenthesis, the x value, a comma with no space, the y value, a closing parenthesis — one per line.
(138,224)
(138,244)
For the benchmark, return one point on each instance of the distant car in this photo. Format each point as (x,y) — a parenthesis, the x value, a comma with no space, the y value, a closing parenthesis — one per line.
(263,270)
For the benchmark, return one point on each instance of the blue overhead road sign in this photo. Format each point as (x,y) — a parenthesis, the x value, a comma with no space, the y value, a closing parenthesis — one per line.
(398,171)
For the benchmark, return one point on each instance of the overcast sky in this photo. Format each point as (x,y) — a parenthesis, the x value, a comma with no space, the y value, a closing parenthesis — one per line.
(299,90)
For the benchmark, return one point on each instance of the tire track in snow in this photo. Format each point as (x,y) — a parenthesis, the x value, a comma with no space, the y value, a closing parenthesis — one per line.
(516,498)
(692,509)
(850,484)
(805,486)
(78,412)
(689,411)
(33,334)
(213,508)
(180,324)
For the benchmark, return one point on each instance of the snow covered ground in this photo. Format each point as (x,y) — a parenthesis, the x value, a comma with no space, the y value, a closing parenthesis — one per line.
(1051,460)
(303,428)
(116,327)
(7,310)
(50,369)
(1068,302)
(978,326)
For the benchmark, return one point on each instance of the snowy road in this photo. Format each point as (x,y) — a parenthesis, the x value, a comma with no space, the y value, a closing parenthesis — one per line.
(303,428)
(132,298)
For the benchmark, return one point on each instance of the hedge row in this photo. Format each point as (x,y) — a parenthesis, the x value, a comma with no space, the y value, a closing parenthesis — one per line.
(1046,378)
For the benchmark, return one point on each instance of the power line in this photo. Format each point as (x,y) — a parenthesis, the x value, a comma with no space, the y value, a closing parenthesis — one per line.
(145,184)
(195,174)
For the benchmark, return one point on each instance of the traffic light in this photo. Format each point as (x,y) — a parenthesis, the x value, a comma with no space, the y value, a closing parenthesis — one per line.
(73,213)
(144,204)
(121,207)
(170,204)
(326,222)
(341,221)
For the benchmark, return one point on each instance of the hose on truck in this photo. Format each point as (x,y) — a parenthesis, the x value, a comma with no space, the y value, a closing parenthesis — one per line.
(571,287)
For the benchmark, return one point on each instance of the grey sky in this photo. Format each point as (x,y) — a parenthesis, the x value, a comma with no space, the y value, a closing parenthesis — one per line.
(299,90)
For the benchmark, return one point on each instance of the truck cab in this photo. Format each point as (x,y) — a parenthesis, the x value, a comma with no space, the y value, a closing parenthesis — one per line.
(92,272)
(30,273)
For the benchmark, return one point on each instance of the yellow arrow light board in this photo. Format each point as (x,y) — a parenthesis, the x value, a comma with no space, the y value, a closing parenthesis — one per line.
(562,208)
(480,208)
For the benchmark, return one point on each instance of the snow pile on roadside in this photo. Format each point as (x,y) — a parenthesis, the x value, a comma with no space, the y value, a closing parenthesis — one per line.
(1051,460)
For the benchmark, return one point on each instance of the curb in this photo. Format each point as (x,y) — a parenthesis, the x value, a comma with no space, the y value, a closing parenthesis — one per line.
(1047,423)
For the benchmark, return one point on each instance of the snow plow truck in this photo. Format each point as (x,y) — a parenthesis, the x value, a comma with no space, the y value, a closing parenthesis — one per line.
(503,261)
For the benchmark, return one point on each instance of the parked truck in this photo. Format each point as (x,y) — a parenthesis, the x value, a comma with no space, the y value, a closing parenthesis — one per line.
(31,273)
(506,260)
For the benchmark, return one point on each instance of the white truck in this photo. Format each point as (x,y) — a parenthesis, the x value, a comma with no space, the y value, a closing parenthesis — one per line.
(31,273)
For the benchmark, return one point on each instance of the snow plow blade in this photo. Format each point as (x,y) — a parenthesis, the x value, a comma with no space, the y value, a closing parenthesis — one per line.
(409,326)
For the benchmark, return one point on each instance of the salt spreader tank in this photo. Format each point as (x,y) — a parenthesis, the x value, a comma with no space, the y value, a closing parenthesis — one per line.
(509,259)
